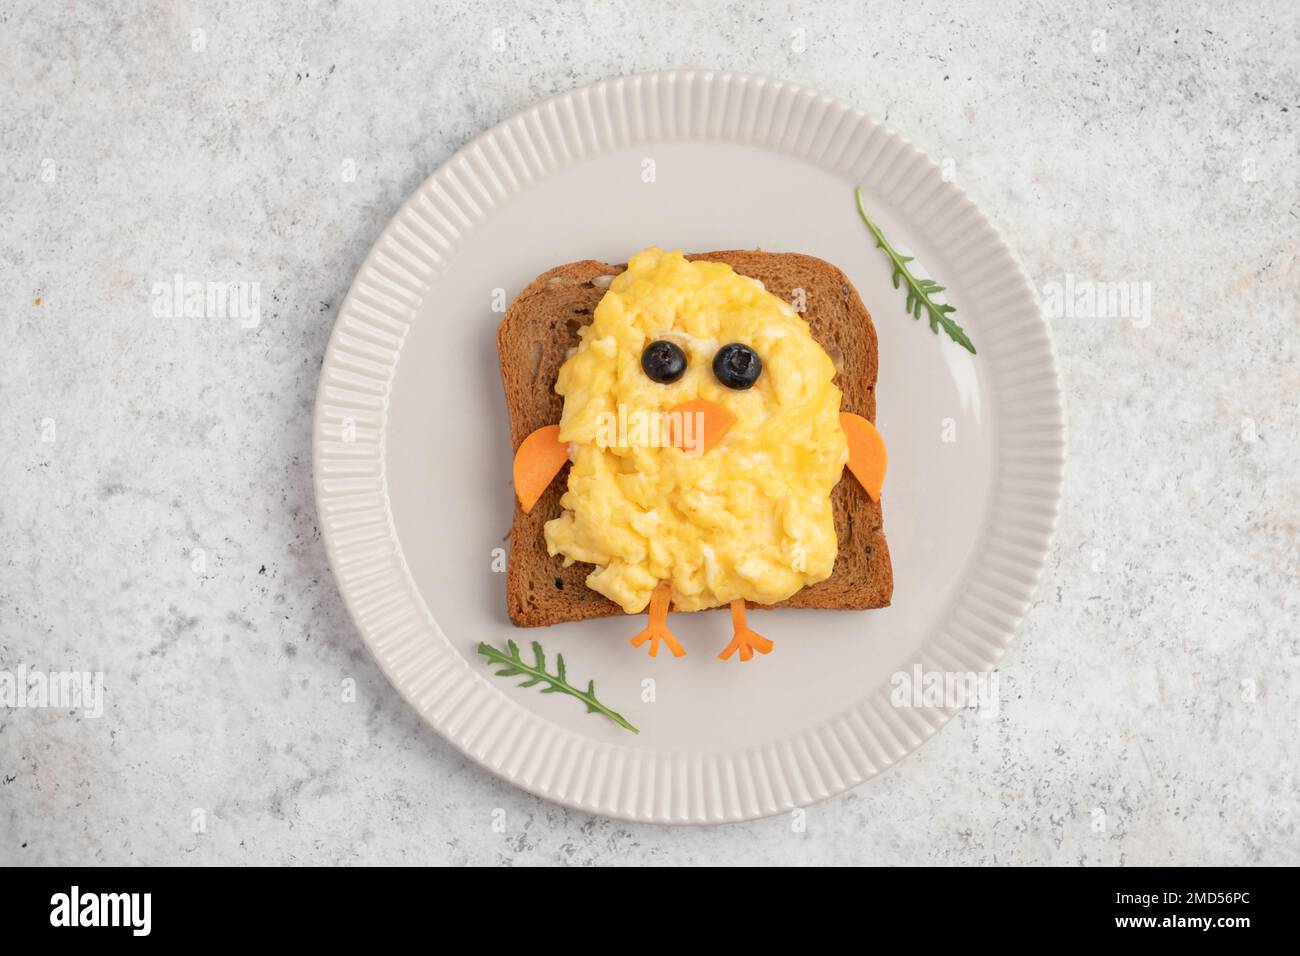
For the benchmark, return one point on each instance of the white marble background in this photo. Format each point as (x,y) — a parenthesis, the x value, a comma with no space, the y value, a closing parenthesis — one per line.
(1150,706)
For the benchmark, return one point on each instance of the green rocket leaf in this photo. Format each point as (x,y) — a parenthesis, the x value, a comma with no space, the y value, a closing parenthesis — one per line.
(513,665)
(919,291)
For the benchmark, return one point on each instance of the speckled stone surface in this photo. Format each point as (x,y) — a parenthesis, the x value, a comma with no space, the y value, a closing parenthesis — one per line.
(156,512)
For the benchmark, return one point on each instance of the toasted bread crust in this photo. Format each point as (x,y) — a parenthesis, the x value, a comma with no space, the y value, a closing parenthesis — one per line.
(540,327)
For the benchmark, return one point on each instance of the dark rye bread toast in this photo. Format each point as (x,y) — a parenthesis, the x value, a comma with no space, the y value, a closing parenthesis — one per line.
(540,327)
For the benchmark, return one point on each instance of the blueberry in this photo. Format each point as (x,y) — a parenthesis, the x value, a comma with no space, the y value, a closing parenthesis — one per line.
(663,362)
(737,366)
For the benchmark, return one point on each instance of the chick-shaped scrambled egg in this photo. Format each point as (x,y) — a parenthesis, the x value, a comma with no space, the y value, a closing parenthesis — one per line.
(750,518)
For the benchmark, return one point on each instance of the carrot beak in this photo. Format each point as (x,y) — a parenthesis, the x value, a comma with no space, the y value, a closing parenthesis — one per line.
(698,425)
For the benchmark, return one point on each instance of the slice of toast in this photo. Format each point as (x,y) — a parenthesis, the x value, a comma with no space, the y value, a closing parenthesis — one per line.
(540,327)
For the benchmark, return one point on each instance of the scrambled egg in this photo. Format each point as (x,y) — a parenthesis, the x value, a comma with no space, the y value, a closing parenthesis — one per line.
(751,518)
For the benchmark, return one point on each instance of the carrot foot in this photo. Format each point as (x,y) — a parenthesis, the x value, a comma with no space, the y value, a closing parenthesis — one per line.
(744,640)
(656,628)
(654,633)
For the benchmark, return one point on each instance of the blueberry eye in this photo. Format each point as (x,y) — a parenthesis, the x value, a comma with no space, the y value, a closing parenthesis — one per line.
(737,366)
(663,362)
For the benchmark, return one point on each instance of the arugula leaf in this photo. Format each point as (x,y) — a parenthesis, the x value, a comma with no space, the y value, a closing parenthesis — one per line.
(919,291)
(513,665)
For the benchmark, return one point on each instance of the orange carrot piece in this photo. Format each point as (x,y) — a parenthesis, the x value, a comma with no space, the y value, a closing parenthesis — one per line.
(656,628)
(867,457)
(716,421)
(538,460)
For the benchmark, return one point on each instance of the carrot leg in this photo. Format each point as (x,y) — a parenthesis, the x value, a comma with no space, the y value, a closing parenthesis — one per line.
(744,640)
(656,628)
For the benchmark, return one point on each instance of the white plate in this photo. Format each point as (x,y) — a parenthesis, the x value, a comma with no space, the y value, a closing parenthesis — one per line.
(412,454)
